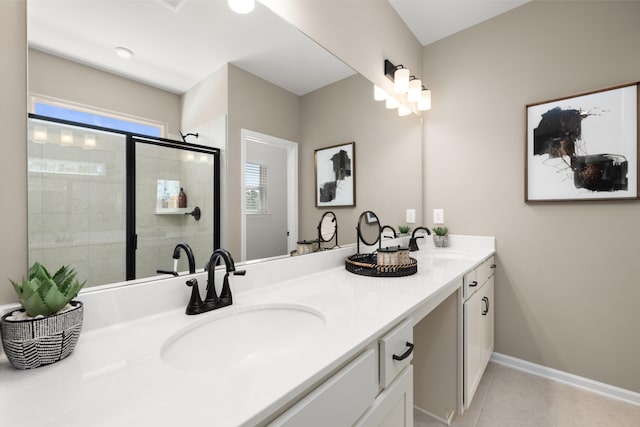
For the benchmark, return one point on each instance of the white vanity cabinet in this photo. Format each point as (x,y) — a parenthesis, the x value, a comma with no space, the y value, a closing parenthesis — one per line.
(373,390)
(478,289)
(393,407)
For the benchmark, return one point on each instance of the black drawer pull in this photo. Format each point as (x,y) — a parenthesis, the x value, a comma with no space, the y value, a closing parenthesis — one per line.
(472,284)
(406,353)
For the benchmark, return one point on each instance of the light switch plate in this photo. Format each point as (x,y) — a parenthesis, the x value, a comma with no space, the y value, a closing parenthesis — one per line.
(438,216)
(411,216)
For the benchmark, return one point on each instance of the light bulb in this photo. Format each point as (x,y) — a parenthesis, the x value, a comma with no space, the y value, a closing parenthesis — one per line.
(40,134)
(379,94)
(392,103)
(66,137)
(401,80)
(403,110)
(89,141)
(242,6)
(425,101)
(415,90)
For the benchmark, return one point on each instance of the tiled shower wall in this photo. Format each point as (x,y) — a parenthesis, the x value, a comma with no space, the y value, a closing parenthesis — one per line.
(77,201)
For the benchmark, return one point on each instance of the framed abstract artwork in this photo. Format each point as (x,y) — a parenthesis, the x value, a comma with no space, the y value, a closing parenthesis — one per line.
(335,169)
(583,147)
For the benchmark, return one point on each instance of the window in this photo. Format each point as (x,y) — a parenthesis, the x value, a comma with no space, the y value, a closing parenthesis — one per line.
(85,115)
(256,188)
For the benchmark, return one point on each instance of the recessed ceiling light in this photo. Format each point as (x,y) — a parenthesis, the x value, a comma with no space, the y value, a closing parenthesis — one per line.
(123,52)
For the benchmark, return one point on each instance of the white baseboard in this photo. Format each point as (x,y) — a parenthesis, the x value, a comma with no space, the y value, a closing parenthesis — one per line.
(567,378)
(445,421)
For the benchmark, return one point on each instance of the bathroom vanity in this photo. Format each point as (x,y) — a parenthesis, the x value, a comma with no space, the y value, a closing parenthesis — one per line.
(305,343)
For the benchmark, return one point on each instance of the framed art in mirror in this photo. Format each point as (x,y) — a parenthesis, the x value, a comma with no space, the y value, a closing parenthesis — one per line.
(583,147)
(335,175)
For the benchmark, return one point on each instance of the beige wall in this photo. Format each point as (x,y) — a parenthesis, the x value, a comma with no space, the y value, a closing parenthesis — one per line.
(260,106)
(566,287)
(13,176)
(388,151)
(67,80)
(206,101)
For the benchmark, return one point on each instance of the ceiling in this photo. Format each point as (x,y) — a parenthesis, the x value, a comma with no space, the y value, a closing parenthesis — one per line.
(178,43)
(432,20)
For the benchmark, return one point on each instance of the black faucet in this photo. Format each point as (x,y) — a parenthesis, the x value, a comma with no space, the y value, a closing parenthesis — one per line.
(413,244)
(176,257)
(390,228)
(189,252)
(212,301)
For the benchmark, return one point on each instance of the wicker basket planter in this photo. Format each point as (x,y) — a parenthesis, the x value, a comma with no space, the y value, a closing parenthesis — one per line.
(31,343)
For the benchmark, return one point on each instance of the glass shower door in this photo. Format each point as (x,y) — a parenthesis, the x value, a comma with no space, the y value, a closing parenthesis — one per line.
(163,172)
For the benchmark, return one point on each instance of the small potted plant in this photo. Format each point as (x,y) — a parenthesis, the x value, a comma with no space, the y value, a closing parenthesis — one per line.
(47,328)
(440,237)
(404,229)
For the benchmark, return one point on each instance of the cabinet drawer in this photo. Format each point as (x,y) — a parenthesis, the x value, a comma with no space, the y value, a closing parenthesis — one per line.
(485,270)
(469,284)
(396,352)
(340,400)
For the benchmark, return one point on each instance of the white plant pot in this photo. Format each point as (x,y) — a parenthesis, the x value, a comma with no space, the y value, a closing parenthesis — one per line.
(441,241)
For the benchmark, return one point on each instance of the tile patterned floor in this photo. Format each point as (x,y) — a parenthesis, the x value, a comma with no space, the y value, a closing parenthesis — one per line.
(507,397)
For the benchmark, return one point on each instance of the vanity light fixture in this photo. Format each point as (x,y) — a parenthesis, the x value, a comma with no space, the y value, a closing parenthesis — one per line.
(415,90)
(242,6)
(123,52)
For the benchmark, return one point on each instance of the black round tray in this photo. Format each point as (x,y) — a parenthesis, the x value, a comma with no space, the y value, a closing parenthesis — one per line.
(366,265)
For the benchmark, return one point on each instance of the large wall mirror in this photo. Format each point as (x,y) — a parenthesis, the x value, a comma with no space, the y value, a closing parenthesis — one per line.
(199,68)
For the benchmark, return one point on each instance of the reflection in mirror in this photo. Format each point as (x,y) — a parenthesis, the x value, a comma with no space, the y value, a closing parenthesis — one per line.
(328,229)
(77,200)
(368,229)
(240,84)
(110,215)
(270,200)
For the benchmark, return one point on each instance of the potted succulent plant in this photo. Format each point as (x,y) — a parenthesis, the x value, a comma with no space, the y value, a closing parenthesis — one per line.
(440,236)
(47,328)
(404,229)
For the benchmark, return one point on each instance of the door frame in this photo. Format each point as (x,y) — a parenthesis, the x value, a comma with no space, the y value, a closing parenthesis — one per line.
(292,185)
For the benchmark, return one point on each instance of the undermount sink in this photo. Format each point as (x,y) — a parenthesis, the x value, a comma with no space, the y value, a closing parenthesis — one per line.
(242,338)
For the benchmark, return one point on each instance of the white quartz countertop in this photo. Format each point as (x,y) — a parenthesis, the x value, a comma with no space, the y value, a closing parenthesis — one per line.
(117,377)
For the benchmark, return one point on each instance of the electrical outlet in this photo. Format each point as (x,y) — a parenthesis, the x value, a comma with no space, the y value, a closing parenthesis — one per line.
(438,216)
(411,216)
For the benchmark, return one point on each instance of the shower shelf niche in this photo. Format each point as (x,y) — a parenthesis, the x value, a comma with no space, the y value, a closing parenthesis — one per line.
(173,211)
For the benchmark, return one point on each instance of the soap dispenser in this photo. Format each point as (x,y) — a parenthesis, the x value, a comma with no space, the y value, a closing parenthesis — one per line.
(182,199)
